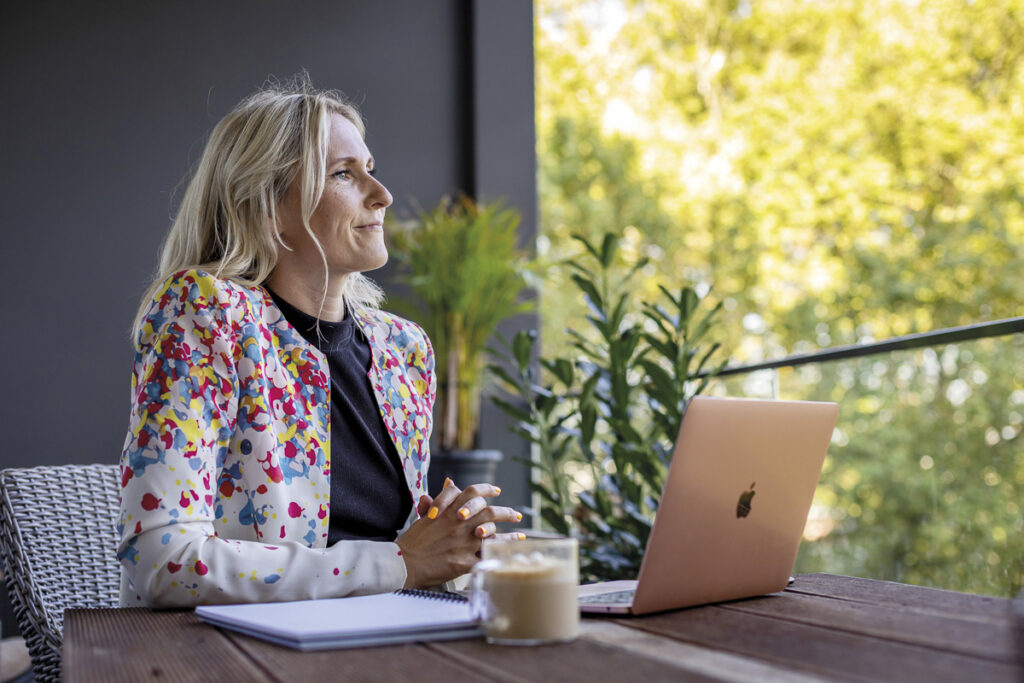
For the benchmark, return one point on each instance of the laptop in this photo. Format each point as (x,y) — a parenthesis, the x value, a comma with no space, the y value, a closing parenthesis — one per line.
(736,499)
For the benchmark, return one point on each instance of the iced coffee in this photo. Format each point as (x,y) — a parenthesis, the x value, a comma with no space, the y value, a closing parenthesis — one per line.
(525,592)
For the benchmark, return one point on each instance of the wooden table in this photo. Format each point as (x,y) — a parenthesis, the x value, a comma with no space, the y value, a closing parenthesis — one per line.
(822,627)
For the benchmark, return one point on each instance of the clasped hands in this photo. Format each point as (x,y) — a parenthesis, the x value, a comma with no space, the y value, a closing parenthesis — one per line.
(445,541)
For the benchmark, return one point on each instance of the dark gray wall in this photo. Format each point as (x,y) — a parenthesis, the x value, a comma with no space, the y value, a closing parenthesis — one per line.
(503,165)
(106,106)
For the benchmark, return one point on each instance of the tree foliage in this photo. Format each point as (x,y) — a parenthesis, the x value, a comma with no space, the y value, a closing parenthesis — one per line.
(841,172)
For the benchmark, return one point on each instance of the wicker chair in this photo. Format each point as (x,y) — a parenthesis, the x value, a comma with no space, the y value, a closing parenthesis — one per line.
(58,541)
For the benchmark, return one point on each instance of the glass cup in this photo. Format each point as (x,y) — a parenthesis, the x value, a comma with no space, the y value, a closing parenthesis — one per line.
(524,592)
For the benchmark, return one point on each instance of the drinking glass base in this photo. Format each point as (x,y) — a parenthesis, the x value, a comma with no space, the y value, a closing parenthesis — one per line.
(525,642)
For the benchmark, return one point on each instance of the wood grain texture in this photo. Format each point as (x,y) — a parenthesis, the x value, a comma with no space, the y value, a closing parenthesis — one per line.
(722,666)
(948,632)
(582,661)
(822,628)
(934,600)
(412,661)
(137,644)
(471,660)
(818,650)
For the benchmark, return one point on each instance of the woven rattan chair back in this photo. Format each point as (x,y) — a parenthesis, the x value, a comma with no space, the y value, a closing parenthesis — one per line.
(58,542)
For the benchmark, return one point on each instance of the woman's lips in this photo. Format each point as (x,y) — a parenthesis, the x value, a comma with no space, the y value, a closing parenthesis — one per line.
(370,226)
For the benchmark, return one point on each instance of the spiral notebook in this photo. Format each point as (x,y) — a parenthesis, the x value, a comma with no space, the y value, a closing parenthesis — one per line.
(388,618)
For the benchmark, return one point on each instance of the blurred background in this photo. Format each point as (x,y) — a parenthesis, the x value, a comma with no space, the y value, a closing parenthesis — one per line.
(832,173)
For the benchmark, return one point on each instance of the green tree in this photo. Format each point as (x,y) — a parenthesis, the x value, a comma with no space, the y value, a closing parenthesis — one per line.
(840,172)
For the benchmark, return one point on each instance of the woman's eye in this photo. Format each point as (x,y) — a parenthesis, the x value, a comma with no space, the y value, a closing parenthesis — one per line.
(344,174)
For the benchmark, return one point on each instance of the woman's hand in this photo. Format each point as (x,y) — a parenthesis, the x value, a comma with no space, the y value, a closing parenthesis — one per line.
(445,541)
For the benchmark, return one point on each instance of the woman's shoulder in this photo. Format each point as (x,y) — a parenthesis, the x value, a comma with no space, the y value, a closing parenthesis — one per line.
(395,330)
(198,283)
(193,295)
(198,289)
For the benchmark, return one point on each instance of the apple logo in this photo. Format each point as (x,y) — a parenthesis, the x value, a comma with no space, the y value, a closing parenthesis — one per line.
(743,504)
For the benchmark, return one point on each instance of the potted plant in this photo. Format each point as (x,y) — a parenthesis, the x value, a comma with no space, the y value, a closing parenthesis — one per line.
(603,420)
(466,272)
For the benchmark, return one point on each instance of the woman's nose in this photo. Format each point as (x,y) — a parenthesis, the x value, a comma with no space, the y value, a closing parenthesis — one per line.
(379,197)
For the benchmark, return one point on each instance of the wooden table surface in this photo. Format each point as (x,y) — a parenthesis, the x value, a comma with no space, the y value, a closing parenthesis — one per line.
(822,627)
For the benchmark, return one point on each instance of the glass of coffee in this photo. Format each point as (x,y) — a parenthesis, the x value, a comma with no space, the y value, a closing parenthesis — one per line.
(524,592)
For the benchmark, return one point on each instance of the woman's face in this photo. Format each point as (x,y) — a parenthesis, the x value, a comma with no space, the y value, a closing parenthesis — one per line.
(349,218)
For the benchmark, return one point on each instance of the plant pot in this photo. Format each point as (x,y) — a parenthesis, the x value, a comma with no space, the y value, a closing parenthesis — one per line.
(464,467)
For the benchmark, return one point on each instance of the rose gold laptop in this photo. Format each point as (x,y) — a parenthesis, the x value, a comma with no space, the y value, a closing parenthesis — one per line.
(736,499)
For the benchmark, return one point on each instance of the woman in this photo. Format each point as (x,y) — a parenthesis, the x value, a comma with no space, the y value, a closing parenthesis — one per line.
(278,445)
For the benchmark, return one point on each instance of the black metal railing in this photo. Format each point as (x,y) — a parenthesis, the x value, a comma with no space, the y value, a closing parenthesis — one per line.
(996,328)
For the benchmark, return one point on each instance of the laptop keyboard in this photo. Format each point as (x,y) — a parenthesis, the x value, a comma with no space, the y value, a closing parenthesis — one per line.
(608,598)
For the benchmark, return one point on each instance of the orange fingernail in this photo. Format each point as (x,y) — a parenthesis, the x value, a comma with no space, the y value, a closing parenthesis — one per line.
(519,516)
(464,513)
(447,483)
(483,533)
(521,537)
(497,489)
(432,513)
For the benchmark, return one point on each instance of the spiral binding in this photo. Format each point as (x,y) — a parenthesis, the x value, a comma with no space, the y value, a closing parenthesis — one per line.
(446,596)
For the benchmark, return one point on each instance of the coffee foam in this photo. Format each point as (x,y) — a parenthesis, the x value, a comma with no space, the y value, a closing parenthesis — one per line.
(535,566)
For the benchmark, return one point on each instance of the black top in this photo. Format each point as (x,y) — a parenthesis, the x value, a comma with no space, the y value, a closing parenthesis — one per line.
(369,495)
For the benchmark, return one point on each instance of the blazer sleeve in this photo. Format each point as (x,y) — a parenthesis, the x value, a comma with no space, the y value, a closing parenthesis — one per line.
(184,403)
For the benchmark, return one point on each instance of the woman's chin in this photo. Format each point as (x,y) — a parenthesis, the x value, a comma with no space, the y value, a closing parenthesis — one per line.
(381,261)
(368,262)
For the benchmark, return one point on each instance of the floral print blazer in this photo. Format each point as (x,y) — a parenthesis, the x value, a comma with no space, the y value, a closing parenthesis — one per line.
(225,474)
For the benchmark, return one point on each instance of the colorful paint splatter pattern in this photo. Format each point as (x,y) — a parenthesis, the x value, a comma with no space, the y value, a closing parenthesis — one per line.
(225,474)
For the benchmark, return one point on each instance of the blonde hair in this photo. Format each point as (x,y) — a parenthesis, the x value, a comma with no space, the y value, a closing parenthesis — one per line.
(226,222)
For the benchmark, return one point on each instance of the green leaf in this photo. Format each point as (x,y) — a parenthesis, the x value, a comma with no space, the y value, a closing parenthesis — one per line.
(702,327)
(561,446)
(528,431)
(563,370)
(555,520)
(583,344)
(663,387)
(660,317)
(608,245)
(546,403)
(505,376)
(601,326)
(687,302)
(704,359)
(635,268)
(544,492)
(587,245)
(588,423)
(589,289)
(665,349)
(511,410)
(630,341)
(560,368)
(522,346)
(618,313)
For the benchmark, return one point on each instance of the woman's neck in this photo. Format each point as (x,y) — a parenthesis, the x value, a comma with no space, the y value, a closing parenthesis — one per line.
(306,293)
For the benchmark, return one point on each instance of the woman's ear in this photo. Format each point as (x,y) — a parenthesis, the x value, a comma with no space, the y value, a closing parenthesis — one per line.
(287,214)
(275,227)
(279,238)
